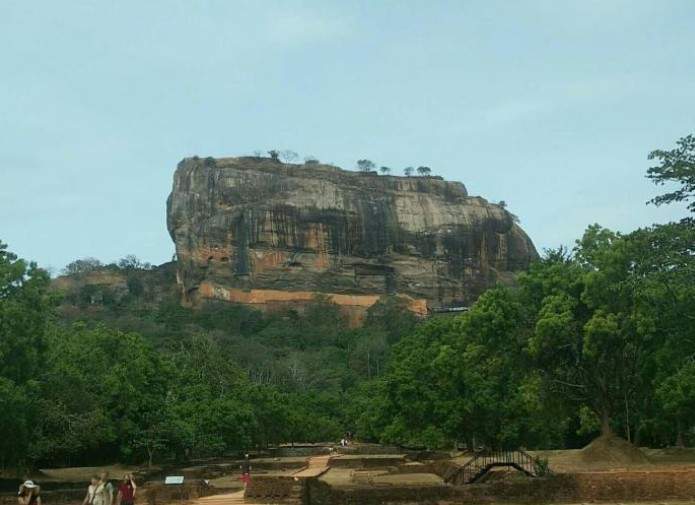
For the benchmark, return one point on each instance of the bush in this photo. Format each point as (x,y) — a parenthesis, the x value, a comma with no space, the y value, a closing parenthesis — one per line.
(541,467)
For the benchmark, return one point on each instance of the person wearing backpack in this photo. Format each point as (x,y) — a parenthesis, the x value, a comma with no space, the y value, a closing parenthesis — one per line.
(103,494)
(91,491)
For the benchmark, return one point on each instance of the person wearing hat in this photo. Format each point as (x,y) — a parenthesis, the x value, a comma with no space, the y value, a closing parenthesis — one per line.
(29,494)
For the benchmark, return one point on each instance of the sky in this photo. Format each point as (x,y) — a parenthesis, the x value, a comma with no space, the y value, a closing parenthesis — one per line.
(551,106)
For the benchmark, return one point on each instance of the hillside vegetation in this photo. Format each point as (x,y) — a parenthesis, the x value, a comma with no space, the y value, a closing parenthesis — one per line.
(105,364)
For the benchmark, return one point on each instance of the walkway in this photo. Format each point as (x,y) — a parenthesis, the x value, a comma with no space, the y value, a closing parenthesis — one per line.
(318,465)
(236,498)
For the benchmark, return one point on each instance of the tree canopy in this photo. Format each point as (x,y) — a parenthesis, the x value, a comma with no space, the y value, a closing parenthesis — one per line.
(365,165)
(675,166)
(596,339)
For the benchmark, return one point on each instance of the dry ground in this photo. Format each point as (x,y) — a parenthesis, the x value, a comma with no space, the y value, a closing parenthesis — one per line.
(348,477)
(577,460)
(84,473)
(604,456)
(611,454)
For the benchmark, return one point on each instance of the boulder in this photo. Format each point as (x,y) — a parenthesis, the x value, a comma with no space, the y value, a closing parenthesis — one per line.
(260,232)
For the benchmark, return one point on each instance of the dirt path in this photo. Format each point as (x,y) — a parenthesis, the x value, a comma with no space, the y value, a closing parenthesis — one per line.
(235,498)
(317,466)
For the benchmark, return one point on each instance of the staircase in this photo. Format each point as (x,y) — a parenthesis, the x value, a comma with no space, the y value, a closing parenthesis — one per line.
(484,461)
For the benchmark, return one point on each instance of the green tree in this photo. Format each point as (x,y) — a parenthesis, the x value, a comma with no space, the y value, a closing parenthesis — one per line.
(417,401)
(677,396)
(591,341)
(675,166)
(17,415)
(25,307)
(465,379)
(104,382)
(664,275)
(25,310)
(210,400)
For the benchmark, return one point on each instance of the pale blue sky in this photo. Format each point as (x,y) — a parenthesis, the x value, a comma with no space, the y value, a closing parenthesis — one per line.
(549,105)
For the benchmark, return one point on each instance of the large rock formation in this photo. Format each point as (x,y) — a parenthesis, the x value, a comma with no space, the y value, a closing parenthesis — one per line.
(256,231)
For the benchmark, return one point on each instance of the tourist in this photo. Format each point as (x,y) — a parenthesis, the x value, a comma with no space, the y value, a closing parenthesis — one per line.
(29,494)
(126,490)
(246,471)
(103,495)
(91,491)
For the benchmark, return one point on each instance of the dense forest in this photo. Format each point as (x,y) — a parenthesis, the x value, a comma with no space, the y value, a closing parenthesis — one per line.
(597,339)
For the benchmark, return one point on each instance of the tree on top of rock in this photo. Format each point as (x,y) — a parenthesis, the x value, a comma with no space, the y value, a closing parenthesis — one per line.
(408,171)
(288,156)
(132,262)
(424,171)
(385,170)
(365,165)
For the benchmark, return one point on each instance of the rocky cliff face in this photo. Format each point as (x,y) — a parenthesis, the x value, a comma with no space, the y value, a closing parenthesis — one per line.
(261,232)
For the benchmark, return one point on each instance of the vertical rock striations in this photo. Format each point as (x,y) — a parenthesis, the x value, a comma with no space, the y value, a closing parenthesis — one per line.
(256,231)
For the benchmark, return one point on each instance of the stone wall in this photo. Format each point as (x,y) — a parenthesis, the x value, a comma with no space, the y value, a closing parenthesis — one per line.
(157,493)
(274,488)
(611,487)
(320,493)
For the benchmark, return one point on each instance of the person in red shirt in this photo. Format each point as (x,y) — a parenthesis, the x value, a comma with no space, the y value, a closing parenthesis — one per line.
(126,490)
(246,471)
